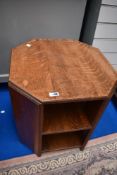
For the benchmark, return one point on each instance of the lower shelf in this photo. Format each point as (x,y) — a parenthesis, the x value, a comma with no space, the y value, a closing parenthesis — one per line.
(62,141)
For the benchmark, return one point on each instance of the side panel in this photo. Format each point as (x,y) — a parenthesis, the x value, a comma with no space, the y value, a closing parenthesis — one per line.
(101,107)
(28,120)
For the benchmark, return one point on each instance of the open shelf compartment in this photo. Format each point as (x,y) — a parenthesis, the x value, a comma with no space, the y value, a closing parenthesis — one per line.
(63,140)
(67,117)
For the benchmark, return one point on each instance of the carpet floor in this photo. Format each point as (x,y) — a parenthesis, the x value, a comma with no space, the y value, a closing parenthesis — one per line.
(98,158)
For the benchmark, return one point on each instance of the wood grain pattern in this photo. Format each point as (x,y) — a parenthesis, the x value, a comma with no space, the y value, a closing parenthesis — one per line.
(75,70)
(65,117)
(61,141)
(80,74)
(28,120)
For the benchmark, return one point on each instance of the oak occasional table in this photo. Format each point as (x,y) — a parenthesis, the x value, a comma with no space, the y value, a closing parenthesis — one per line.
(59,89)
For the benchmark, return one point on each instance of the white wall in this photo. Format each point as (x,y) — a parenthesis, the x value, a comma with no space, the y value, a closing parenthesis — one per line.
(106,31)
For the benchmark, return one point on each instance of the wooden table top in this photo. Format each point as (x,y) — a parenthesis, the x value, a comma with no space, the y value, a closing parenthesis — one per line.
(61,70)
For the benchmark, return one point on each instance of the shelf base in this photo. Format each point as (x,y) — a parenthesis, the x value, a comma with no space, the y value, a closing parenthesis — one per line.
(63,141)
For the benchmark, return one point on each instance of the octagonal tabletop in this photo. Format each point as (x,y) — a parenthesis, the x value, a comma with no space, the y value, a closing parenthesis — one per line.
(61,70)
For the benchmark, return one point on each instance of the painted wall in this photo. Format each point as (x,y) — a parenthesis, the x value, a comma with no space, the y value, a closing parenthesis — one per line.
(106,31)
(27,19)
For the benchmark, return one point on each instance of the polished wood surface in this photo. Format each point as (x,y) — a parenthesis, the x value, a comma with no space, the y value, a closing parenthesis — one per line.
(82,80)
(28,120)
(73,69)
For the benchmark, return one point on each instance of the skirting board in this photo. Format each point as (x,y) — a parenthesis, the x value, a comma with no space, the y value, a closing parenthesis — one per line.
(4,78)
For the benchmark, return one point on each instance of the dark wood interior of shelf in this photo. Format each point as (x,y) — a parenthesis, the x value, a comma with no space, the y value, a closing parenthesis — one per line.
(91,110)
(62,141)
(67,117)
